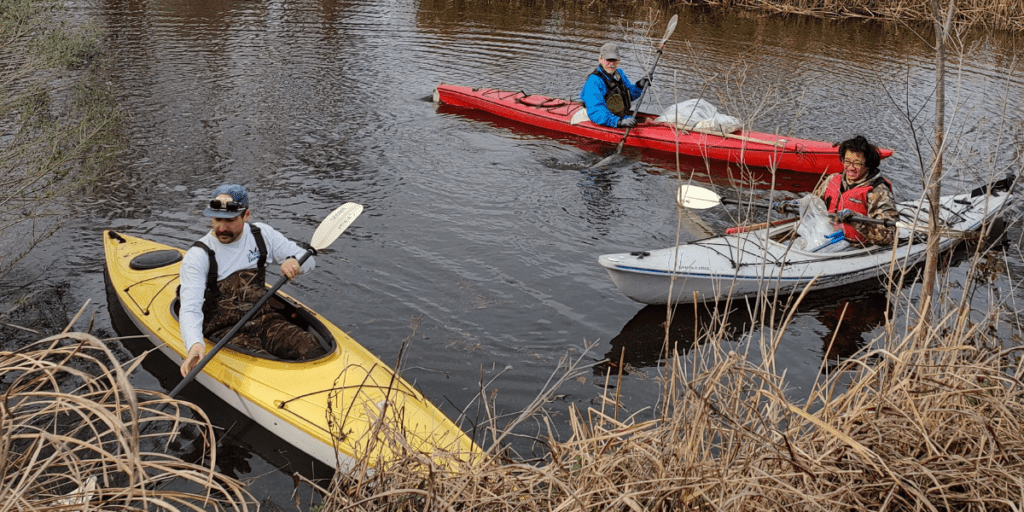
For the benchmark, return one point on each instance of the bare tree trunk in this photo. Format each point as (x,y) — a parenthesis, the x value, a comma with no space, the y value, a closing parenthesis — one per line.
(933,179)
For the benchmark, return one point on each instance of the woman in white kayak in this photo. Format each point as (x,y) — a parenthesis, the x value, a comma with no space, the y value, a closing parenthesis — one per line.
(859,190)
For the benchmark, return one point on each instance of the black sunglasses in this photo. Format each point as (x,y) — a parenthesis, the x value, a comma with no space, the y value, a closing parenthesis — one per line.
(230,206)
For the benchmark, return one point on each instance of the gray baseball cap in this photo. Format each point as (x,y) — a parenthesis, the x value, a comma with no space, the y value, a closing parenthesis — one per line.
(610,51)
(229,210)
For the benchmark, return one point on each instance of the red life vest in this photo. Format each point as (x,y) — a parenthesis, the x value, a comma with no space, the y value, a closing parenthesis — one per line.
(854,199)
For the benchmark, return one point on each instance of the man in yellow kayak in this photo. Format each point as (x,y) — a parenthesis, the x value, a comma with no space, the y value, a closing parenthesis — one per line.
(224,274)
(608,93)
(859,190)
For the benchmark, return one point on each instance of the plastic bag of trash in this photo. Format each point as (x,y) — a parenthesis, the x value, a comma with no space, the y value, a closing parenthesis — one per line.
(699,115)
(816,230)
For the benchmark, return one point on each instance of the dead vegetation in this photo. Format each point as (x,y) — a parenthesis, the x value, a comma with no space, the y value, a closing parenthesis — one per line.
(60,127)
(71,424)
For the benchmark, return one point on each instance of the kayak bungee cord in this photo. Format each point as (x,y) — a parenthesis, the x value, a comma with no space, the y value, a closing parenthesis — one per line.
(145,310)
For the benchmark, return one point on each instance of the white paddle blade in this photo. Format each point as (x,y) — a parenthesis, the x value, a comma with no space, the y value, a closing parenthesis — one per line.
(335,224)
(671,28)
(697,198)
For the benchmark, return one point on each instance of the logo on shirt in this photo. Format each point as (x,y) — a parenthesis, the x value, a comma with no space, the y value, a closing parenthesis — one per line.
(254,254)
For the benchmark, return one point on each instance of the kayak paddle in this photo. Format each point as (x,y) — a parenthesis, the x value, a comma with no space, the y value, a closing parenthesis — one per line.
(943,232)
(699,198)
(326,233)
(636,107)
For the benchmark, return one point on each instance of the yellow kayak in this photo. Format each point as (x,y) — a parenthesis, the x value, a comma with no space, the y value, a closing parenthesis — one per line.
(336,408)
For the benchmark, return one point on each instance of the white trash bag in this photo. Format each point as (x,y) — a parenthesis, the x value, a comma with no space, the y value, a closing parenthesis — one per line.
(699,115)
(817,233)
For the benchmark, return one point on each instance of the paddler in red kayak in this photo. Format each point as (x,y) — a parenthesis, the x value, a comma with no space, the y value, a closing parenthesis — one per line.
(608,94)
(859,190)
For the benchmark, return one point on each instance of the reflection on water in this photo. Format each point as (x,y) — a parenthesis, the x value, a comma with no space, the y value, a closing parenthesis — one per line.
(648,338)
(846,321)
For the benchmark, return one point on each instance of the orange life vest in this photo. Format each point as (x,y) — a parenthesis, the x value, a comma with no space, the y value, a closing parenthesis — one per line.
(855,199)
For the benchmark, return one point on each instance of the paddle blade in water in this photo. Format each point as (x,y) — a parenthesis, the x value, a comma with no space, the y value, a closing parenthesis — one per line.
(606,161)
(335,224)
(697,198)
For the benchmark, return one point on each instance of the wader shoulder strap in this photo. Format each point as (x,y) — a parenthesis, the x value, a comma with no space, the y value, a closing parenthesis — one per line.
(261,245)
(881,180)
(212,293)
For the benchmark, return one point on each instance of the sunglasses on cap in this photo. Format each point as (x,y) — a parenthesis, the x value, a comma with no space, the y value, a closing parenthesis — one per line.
(229,206)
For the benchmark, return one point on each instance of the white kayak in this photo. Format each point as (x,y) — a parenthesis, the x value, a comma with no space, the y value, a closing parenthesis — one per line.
(761,261)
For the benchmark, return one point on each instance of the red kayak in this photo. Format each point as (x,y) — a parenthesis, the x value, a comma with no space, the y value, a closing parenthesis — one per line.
(754,149)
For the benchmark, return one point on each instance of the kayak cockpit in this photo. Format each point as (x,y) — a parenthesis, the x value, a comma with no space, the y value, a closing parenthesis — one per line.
(779,244)
(299,316)
(296,314)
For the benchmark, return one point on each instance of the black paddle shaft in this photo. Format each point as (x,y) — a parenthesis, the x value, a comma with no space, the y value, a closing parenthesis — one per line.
(868,220)
(643,92)
(755,204)
(234,330)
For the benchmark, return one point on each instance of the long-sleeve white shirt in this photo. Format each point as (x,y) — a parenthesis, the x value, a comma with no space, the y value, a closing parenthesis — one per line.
(241,254)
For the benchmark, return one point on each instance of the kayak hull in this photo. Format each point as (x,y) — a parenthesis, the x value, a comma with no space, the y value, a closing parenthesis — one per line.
(329,408)
(753,149)
(753,263)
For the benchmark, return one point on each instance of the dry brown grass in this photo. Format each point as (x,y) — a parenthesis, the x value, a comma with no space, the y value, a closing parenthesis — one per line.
(905,425)
(71,423)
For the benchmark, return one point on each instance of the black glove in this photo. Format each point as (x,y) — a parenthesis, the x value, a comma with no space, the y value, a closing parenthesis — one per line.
(627,122)
(643,82)
(844,215)
(790,206)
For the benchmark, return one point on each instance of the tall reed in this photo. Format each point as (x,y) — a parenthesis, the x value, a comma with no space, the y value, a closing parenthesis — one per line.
(75,437)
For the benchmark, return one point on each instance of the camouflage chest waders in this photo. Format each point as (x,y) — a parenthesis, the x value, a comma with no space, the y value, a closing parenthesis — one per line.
(268,331)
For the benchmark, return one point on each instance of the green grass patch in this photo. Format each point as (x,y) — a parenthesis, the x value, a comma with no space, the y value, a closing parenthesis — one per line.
(56,136)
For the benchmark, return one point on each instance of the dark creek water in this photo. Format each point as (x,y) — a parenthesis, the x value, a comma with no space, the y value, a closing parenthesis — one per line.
(487,230)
